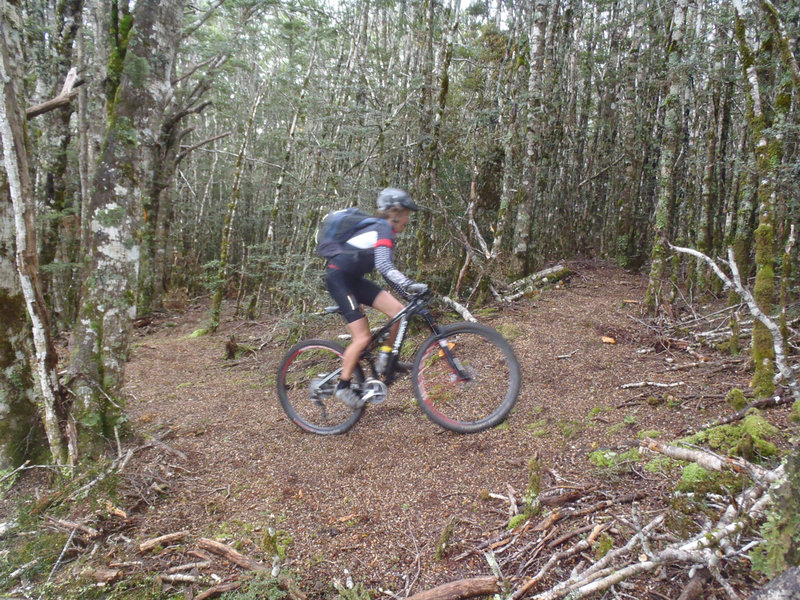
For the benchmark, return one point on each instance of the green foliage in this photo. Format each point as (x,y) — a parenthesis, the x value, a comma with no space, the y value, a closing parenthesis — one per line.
(510,331)
(660,464)
(517,520)
(692,477)
(38,550)
(357,592)
(604,544)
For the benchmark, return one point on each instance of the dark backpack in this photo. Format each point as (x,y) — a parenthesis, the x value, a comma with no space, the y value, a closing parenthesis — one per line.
(338,227)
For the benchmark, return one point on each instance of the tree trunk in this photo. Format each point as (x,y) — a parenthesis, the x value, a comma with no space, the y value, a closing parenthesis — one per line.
(19,423)
(665,208)
(768,152)
(533,130)
(54,141)
(15,157)
(123,174)
(227,232)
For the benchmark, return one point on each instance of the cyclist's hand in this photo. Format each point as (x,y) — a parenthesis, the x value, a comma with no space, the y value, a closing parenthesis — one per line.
(417,288)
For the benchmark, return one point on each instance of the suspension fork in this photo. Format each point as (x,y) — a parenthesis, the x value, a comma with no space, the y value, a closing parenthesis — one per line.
(444,347)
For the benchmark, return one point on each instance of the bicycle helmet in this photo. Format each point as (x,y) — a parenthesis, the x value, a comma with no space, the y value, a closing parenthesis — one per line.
(393,197)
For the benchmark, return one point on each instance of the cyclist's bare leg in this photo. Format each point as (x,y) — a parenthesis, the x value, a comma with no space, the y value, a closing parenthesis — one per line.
(390,306)
(359,330)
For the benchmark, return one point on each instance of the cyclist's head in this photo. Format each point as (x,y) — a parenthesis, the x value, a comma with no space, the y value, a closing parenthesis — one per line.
(393,198)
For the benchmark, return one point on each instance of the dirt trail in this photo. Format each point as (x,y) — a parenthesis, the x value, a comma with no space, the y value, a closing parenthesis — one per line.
(376,501)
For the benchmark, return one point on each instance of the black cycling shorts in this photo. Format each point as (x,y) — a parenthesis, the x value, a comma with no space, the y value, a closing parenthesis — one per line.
(350,291)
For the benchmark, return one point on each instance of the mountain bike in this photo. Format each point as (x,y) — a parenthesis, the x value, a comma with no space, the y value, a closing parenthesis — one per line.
(465,376)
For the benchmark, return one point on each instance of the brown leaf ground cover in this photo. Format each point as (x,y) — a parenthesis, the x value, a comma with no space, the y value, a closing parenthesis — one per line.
(397,503)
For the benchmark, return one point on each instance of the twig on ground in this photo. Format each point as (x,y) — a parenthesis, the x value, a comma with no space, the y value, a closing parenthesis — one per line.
(627,386)
(61,556)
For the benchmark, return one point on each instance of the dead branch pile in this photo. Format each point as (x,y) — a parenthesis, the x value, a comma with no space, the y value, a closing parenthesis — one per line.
(586,543)
(178,561)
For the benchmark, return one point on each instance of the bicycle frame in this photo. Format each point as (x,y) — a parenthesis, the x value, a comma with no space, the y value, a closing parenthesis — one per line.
(417,306)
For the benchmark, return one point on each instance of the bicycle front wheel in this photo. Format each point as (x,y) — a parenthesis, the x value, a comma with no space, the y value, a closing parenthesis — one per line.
(473,390)
(307,379)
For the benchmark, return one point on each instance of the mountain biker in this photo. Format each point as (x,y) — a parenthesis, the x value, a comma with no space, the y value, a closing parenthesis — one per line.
(370,247)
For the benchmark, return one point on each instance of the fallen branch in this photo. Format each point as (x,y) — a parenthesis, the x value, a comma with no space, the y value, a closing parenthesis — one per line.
(461,310)
(694,588)
(179,578)
(706,549)
(463,588)
(163,540)
(230,555)
(711,461)
(15,471)
(117,466)
(64,524)
(735,283)
(218,590)
(627,386)
(527,284)
(190,566)
(575,532)
(67,95)
(104,575)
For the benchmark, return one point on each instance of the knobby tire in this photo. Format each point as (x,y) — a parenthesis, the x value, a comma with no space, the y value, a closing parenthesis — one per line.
(482,401)
(308,362)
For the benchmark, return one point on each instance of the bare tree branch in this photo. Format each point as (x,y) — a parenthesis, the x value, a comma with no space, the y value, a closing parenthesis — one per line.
(67,95)
(735,283)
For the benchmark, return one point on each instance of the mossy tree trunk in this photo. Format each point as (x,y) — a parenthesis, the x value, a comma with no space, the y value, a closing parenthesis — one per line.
(20,186)
(627,252)
(20,429)
(425,15)
(768,150)
(432,157)
(124,171)
(157,198)
(60,237)
(533,138)
(665,206)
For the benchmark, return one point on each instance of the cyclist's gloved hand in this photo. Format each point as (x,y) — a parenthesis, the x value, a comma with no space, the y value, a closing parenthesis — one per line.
(417,288)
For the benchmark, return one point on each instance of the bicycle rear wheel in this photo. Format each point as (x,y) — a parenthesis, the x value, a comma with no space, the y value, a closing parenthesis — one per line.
(307,379)
(478,401)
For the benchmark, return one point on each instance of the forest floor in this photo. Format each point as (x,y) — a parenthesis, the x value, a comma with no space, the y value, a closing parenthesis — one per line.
(397,504)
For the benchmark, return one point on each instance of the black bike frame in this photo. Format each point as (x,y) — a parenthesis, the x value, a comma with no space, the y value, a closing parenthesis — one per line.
(415,307)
